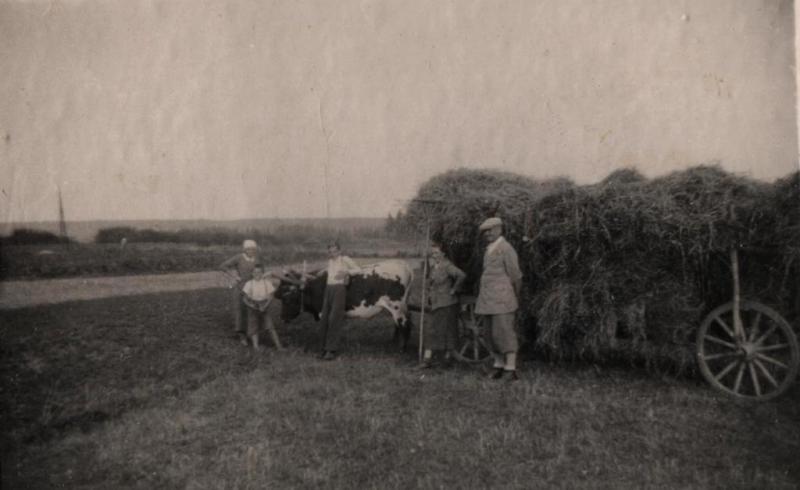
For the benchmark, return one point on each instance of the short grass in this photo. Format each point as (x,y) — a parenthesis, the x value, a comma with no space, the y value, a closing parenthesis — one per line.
(152,392)
(81,260)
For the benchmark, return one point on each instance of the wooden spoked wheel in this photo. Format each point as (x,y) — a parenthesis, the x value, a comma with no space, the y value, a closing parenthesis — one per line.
(757,362)
(470,345)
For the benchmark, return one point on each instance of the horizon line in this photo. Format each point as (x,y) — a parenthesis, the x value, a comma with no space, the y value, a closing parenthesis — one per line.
(323,218)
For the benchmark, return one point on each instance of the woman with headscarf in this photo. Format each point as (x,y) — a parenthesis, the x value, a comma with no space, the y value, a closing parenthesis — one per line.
(443,282)
(241,265)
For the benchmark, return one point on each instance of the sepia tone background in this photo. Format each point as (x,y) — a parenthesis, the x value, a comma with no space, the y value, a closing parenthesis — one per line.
(176,129)
(246,109)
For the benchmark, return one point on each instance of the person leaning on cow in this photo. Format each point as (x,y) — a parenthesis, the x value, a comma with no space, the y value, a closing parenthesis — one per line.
(241,265)
(444,281)
(498,298)
(333,305)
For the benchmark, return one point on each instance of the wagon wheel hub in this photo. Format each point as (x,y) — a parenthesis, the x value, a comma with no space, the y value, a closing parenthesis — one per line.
(748,350)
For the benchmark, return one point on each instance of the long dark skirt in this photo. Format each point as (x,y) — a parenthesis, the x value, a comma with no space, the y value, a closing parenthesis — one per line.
(441,332)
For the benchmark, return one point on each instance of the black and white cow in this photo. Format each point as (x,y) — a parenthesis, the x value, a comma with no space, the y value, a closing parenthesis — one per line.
(379,287)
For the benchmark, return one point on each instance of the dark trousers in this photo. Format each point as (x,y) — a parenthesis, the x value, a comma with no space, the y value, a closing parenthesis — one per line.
(332,316)
(258,320)
(239,310)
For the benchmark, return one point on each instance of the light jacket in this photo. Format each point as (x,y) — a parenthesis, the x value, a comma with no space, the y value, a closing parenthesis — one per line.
(443,277)
(500,267)
(243,265)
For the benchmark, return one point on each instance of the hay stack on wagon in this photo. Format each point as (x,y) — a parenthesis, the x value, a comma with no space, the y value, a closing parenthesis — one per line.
(626,268)
(458,200)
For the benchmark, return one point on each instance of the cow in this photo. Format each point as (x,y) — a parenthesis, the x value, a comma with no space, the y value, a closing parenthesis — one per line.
(379,287)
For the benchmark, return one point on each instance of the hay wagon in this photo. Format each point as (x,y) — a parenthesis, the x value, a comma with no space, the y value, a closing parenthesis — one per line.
(744,348)
(632,268)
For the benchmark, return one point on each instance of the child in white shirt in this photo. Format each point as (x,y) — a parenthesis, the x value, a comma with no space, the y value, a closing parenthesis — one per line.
(262,307)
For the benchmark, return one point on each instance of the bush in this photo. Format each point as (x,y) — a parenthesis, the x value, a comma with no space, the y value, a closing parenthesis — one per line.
(24,236)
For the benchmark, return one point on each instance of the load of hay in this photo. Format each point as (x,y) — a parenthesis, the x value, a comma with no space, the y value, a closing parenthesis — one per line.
(458,200)
(627,268)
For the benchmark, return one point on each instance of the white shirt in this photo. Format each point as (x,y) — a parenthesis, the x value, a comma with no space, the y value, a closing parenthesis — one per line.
(339,265)
(259,289)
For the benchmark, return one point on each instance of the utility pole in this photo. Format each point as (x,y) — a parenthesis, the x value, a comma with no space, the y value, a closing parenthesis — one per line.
(62,224)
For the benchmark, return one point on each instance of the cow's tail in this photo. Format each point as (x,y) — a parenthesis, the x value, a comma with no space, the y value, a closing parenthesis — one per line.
(405,297)
(408,324)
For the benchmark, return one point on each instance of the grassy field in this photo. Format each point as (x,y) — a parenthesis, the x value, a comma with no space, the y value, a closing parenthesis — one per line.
(79,260)
(152,392)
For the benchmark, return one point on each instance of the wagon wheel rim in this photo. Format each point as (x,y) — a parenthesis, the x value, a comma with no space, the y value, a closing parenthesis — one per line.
(470,345)
(759,362)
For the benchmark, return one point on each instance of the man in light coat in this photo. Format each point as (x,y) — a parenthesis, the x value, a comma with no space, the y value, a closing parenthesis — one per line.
(498,299)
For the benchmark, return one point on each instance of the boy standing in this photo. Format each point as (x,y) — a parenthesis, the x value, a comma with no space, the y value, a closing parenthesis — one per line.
(258,294)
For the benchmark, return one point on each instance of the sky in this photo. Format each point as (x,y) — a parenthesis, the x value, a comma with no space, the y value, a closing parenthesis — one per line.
(257,109)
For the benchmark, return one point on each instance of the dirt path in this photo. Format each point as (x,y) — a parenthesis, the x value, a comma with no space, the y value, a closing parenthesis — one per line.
(20,294)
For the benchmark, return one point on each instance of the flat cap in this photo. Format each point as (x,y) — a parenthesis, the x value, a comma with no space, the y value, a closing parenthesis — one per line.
(490,223)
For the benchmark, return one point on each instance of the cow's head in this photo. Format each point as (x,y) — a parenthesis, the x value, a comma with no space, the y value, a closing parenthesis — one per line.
(297,299)
(289,294)
(402,321)
(399,312)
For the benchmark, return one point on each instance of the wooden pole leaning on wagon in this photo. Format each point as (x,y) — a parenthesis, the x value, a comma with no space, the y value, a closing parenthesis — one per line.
(738,328)
(424,284)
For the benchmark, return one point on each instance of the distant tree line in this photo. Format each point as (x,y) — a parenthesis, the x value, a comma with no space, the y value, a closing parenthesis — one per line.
(281,234)
(275,235)
(25,236)
(398,225)
(205,237)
